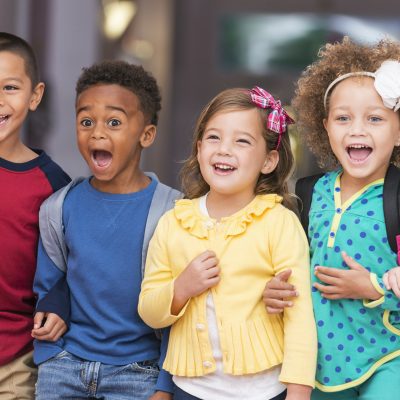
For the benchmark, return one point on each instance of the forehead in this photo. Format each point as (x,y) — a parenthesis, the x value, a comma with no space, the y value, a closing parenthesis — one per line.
(355,88)
(108,95)
(12,63)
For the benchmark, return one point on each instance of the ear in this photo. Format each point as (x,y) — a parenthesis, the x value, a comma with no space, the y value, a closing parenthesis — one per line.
(198,149)
(397,144)
(270,162)
(148,135)
(36,96)
(325,122)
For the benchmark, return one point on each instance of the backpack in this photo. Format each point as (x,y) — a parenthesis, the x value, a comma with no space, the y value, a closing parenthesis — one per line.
(391,202)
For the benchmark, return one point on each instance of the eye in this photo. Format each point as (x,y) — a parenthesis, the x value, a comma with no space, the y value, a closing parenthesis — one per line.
(342,118)
(211,137)
(86,122)
(243,141)
(10,87)
(114,122)
(374,118)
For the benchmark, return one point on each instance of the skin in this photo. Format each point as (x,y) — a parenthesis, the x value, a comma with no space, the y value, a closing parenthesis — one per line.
(17,98)
(231,155)
(356,116)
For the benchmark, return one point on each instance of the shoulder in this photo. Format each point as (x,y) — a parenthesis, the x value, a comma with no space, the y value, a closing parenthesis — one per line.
(56,176)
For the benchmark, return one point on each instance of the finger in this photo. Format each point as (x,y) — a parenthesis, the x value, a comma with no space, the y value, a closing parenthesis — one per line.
(276,284)
(394,280)
(278,304)
(328,271)
(212,272)
(279,294)
(38,319)
(210,262)
(284,275)
(326,289)
(351,263)
(207,254)
(211,282)
(326,278)
(386,282)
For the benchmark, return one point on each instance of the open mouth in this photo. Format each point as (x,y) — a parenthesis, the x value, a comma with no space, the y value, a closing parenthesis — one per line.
(101,158)
(4,119)
(358,152)
(223,168)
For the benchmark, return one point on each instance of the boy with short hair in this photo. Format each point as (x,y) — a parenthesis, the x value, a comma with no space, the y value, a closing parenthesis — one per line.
(27,177)
(107,221)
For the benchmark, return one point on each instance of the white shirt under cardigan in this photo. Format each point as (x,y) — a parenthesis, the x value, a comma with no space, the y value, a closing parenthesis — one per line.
(220,386)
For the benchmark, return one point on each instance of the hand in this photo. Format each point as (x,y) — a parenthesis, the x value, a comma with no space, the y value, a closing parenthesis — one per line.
(161,396)
(298,392)
(278,289)
(54,327)
(391,279)
(353,283)
(201,274)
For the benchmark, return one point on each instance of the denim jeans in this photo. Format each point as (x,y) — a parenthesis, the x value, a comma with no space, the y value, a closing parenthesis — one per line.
(69,377)
(179,394)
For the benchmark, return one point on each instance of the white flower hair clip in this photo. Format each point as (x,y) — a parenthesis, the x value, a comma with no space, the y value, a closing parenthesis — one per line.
(387,83)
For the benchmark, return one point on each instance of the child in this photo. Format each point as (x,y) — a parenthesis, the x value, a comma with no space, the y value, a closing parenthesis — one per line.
(348,105)
(27,177)
(108,351)
(210,255)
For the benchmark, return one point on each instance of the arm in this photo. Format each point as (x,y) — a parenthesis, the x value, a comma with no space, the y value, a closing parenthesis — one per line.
(52,309)
(298,392)
(391,279)
(163,298)
(300,341)
(355,283)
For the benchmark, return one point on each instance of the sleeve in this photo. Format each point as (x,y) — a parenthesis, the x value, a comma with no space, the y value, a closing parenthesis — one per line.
(51,287)
(164,381)
(158,284)
(388,301)
(290,250)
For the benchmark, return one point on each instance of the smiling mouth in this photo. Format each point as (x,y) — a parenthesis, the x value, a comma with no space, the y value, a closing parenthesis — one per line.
(358,152)
(101,158)
(4,118)
(223,167)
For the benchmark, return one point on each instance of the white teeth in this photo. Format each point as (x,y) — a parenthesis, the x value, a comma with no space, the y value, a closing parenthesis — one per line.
(223,166)
(358,146)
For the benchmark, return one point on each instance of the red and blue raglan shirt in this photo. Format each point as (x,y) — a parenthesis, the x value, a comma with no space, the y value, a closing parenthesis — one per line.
(24,186)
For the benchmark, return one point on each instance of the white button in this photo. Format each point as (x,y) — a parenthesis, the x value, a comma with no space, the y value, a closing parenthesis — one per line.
(209,224)
(207,364)
(200,327)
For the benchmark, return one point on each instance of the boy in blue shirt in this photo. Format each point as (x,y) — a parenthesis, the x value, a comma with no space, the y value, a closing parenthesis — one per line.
(107,219)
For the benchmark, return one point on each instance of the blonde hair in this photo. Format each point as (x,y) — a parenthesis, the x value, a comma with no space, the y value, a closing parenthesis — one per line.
(237,99)
(334,60)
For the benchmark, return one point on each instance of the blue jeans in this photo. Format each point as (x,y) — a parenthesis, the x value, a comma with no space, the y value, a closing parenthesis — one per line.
(68,377)
(179,394)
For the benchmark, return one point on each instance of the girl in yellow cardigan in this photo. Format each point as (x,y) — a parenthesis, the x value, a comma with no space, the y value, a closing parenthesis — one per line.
(211,255)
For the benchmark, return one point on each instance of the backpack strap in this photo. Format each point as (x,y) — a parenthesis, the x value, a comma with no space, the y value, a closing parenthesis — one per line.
(163,200)
(391,202)
(52,228)
(304,190)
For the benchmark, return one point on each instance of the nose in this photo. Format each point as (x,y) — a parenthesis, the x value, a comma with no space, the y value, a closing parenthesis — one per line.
(225,148)
(98,133)
(357,128)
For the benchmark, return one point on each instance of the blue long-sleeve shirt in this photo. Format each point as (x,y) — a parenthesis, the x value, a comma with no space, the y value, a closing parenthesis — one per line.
(104,236)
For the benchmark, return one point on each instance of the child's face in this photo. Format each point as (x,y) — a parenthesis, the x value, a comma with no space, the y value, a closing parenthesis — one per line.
(362,131)
(16,97)
(111,133)
(233,153)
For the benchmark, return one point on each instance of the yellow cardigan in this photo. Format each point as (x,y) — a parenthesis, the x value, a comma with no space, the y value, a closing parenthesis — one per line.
(252,246)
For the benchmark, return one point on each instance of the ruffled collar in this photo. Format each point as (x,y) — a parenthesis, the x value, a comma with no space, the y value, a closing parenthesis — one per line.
(187,212)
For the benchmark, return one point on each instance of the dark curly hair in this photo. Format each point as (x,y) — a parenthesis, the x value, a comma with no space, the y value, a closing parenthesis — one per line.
(193,183)
(16,45)
(334,60)
(132,77)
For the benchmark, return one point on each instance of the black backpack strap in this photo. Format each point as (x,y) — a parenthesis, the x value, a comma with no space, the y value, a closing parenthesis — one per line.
(304,190)
(391,202)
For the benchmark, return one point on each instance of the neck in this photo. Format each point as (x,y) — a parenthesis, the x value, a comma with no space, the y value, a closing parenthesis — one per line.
(16,152)
(122,185)
(221,205)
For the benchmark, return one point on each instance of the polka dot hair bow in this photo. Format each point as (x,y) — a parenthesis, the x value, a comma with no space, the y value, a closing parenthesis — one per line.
(278,119)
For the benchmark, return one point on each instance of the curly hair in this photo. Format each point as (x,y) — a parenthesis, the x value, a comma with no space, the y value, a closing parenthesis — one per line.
(237,99)
(334,60)
(132,77)
(20,47)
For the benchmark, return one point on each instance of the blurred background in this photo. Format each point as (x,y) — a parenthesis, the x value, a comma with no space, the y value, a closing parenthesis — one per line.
(194,48)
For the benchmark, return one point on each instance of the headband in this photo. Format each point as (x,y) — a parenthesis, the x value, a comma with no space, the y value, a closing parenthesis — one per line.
(278,119)
(387,83)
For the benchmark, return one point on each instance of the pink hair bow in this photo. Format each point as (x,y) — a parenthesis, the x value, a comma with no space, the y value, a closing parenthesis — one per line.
(278,119)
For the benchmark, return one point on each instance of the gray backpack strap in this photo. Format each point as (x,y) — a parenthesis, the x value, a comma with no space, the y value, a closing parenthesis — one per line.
(51,226)
(163,200)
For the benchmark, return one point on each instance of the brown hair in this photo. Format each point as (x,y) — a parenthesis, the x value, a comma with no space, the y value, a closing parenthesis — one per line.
(334,60)
(193,184)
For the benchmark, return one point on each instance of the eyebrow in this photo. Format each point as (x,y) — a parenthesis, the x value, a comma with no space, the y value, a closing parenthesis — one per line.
(112,108)
(239,132)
